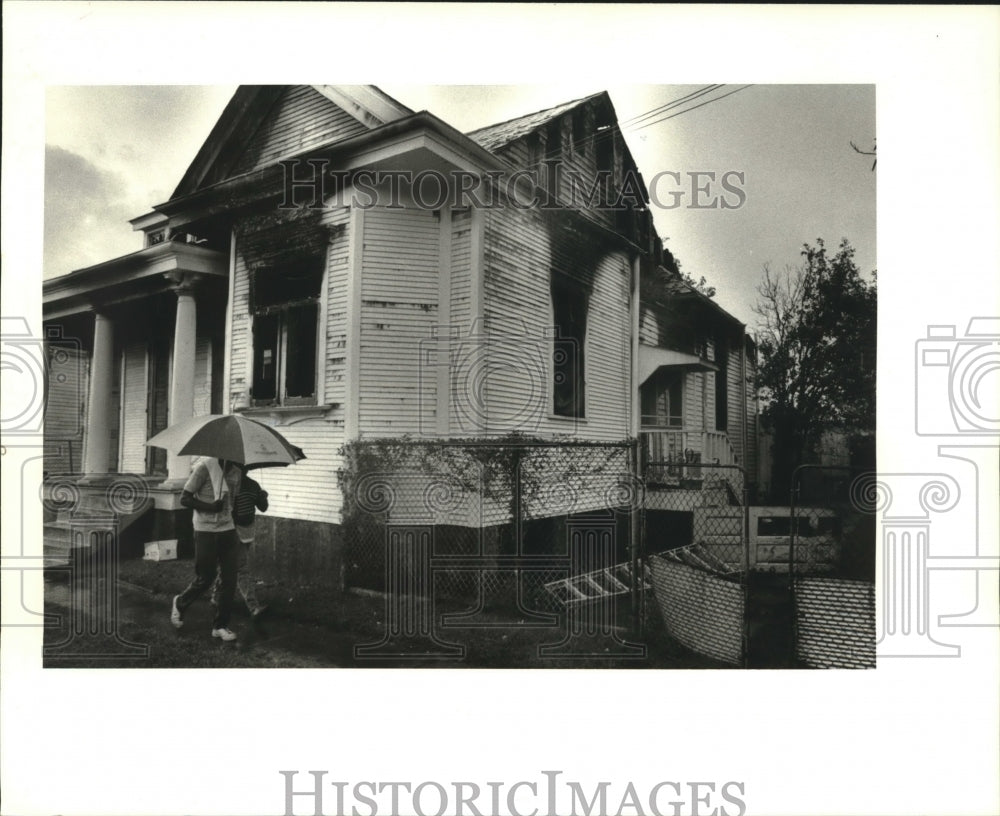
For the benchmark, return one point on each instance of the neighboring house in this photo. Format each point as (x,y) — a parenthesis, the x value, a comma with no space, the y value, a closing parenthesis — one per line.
(332,321)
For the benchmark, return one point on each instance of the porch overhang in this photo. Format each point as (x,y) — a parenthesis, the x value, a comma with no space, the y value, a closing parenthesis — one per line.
(652,359)
(140,274)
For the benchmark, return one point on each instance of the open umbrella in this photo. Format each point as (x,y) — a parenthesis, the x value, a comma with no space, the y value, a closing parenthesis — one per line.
(231,437)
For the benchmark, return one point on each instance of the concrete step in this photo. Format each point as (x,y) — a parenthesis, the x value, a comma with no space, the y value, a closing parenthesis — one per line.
(56,543)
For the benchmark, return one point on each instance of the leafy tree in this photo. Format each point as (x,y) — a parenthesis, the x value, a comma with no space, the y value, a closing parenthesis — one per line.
(817,340)
(673,265)
(699,285)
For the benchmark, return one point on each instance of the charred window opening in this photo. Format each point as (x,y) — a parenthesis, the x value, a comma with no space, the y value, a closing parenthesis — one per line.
(570,303)
(662,398)
(285,303)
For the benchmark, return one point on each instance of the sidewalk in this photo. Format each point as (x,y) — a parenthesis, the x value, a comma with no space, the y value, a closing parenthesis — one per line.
(304,627)
(273,641)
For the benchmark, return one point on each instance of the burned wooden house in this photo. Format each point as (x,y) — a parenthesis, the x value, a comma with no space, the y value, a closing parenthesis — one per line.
(348,270)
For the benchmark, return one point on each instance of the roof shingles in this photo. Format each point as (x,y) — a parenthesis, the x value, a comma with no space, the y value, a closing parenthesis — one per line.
(495,137)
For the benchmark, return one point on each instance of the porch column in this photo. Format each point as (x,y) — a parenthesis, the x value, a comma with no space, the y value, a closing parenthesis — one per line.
(96,447)
(182,372)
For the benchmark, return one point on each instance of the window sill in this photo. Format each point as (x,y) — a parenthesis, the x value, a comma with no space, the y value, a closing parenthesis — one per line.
(288,414)
(568,419)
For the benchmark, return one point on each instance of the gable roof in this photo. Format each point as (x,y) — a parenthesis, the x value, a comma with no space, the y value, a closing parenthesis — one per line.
(495,137)
(263,123)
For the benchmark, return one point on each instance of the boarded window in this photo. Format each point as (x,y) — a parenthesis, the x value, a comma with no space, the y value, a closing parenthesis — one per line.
(569,308)
(285,302)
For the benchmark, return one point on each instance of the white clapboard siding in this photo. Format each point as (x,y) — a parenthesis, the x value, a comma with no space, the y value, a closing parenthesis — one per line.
(241,343)
(202,376)
(399,296)
(649,329)
(135,394)
(518,302)
(308,489)
(464,353)
(751,454)
(461,270)
(608,354)
(736,410)
(300,119)
(517,307)
(337,270)
(693,414)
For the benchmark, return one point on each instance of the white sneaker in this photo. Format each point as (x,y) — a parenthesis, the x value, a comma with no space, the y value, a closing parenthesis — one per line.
(224,633)
(175,614)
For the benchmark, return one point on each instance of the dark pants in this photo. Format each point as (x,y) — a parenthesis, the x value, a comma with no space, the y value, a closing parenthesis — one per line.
(213,552)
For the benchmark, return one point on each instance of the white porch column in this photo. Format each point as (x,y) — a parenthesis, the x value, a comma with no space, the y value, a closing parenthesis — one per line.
(96,447)
(182,372)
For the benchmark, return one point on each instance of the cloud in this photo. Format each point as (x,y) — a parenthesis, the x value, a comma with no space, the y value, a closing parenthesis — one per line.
(86,213)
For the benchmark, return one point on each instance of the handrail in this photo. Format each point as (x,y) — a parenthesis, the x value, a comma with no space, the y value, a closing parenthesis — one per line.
(670,445)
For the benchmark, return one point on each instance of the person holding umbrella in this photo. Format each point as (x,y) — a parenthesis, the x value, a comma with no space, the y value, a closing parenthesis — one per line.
(251,498)
(210,492)
(230,444)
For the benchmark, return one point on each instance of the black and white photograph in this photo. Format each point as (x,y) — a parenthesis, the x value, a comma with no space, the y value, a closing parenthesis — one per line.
(555,375)
(502,425)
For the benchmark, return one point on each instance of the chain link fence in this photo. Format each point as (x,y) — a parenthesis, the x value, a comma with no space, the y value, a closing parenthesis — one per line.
(831,566)
(590,541)
(695,519)
(521,533)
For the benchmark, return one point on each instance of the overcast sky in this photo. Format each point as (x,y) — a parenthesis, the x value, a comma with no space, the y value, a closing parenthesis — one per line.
(114,152)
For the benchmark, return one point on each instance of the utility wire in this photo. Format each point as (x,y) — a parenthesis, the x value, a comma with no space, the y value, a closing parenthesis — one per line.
(688,110)
(635,123)
(634,120)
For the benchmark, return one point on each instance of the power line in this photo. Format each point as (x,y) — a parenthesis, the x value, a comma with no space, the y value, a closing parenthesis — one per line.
(635,123)
(634,120)
(688,110)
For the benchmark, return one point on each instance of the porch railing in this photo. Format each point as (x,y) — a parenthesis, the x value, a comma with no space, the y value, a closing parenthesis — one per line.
(676,455)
